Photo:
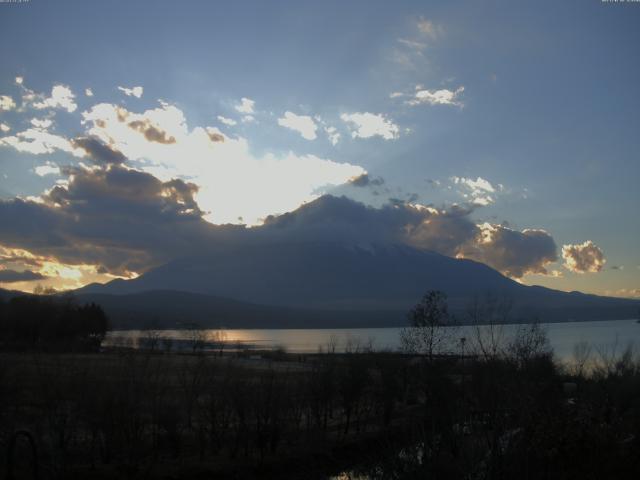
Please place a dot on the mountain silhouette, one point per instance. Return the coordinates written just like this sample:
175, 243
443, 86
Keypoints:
349, 283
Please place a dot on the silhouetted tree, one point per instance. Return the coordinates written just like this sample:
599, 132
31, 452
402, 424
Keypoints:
430, 325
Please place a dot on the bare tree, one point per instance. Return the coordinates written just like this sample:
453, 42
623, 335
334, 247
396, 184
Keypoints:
488, 318
430, 327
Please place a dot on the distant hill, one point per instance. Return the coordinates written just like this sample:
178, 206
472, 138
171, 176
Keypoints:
328, 284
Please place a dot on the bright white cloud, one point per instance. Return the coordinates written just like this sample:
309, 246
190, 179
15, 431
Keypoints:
480, 191
437, 97
4, 127
366, 125
88, 92
583, 257
43, 123
233, 182
38, 141
245, 106
7, 103
48, 168
132, 92
303, 124
333, 135
61, 97
227, 121
19, 80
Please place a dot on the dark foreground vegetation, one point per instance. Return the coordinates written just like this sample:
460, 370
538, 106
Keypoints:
51, 323
498, 408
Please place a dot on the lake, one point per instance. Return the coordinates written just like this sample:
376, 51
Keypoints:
601, 336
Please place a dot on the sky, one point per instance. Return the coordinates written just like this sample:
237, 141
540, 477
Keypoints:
504, 132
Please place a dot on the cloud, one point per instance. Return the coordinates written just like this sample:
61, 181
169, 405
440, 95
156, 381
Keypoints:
12, 276
437, 97
451, 232
583, 257
480, 191
6, 103
4, 128
215, 135
624, 293
151, 132
121, 219
132, 92
512, 252
245, 106
428, 28
230, 176
41, 123
227, 121
412, 44
366, 125
48, 168
97, 151
88, 92
61, 97
332, 134
303, 124
37, 141
365, 180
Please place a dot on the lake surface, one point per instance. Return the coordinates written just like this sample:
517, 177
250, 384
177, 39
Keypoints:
605, 336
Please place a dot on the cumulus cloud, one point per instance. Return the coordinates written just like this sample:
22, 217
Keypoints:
229, 175
121, 219
37, 141
479, 191
4, 128
151, 132
49, 168
303, 124
437, 97
332, 134
132, 92
365, 180
7, 103
366, 125
215, 135
583, 257
88, 92
12, 276
41, 123
512, 252
61, 97
98, 151
451, 232
227, 121
245, 106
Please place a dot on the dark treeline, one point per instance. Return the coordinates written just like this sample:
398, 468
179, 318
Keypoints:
50, 323
500, 408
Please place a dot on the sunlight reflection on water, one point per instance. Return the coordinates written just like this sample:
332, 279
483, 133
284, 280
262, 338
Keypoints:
562, 337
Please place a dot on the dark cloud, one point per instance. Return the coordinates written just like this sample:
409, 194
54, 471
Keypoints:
216, 137
365, 180
449, 231
151, 132
125, 220
122, 219
512, 252
11, 276
98, 151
